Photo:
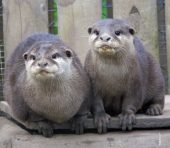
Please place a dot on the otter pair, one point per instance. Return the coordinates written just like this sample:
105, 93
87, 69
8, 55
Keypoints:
45, 81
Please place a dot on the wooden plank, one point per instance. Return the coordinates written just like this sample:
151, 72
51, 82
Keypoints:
21, 19
74, 18
143, 15
167, 18
142, 121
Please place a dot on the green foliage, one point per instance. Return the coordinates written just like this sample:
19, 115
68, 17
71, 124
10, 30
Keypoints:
104, 9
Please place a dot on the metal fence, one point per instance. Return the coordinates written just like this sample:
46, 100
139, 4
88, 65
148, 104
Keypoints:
2, 65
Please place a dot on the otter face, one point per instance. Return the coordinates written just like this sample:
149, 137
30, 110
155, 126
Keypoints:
110, 36
47, 60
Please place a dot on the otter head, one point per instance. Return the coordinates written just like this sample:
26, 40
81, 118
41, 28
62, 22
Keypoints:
111, 37
47, 60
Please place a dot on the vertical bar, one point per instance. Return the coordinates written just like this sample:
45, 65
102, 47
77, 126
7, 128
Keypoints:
167, 18
107, 9
110, 8
162, 40
1, 53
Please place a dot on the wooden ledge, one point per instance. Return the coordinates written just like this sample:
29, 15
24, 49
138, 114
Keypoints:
142, 121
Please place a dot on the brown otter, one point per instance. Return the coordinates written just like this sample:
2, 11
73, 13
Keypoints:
45, 81
125, 77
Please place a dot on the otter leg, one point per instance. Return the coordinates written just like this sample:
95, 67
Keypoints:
24, 113
19, 107
79, 119
101, 119
45, 127
127, 120
132, 101
156, 106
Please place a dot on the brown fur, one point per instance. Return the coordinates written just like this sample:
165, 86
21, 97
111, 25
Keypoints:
126, 78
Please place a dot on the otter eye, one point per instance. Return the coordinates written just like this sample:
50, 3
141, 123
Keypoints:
96, 32
117, 33
131, 31
89, 30
54, 56
25, 56
32, 57
68, 53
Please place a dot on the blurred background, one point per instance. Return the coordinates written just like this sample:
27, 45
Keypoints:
70, 19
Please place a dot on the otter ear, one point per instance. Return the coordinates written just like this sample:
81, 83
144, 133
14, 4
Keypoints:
25, 56
68, 53
131, 31
89, 30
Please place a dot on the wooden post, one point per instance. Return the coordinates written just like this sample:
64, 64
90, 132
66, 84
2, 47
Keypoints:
74, 18
143, 15
21, 18
167, 18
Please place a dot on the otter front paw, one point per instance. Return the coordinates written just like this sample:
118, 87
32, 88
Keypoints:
127, 120
101, 121
78, 124
154, 110
45, 129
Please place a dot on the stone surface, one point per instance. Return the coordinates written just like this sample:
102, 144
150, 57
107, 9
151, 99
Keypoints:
9, 130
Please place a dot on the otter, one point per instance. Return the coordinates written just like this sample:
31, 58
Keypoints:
45, 82
125, 77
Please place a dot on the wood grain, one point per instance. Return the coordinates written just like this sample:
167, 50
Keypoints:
142, 121
74, 18
21, 18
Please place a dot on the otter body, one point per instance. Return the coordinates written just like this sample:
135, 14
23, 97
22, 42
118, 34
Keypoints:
44, 80
125, 77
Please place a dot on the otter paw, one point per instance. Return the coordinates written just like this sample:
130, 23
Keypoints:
78, 124
101, 121
154, 110
127, 120
45, 129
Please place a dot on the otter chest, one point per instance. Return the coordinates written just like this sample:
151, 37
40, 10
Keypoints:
58, 106
111, 79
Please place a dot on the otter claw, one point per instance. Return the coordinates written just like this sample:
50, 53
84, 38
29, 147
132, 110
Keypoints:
127, 120
154, 110
45, 129
78, 125
101, 121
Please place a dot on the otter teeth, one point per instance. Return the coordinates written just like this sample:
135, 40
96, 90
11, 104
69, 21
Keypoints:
105, 47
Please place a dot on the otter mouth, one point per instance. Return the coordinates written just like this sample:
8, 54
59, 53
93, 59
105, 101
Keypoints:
106, 49
43, 72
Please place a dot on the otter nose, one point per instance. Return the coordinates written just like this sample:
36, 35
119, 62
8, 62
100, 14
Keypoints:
105, 37
42, 64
